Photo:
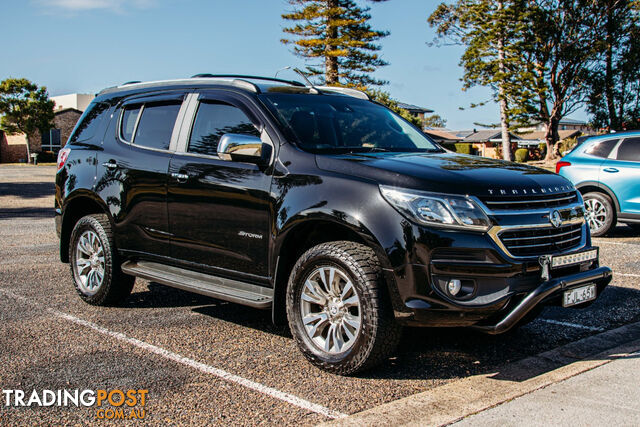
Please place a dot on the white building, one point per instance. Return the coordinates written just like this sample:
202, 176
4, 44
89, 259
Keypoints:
77, 101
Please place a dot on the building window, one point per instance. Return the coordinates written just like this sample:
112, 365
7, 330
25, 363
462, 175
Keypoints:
51, 140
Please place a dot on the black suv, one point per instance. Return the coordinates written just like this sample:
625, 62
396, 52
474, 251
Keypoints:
318, 204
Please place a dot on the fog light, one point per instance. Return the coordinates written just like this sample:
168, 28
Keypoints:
454, 286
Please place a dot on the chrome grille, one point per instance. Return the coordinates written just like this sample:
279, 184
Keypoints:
531, 201
541, 241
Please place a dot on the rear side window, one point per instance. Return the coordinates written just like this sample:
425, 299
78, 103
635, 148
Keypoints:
629, 150
129, 120
90, 122
602, 148
153, 128
213, 120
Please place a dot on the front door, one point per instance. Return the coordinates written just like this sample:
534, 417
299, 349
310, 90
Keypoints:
219, 211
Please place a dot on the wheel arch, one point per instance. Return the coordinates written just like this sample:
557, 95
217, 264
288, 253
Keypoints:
595, 186
301, 235
76, 206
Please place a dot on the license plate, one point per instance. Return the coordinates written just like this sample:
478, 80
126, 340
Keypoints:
579, 295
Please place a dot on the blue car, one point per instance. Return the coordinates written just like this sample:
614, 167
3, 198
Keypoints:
606, 170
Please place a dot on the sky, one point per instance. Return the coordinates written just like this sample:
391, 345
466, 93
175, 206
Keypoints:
86, 45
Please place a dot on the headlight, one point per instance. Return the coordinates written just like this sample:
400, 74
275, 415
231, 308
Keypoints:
437, 209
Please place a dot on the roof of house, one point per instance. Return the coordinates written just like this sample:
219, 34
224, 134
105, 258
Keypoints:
463, 133
564, 134
64, 110
568, 121
414, 108
487, 135
442, 134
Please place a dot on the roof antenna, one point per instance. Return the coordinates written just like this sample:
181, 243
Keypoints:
309, 84
281, 69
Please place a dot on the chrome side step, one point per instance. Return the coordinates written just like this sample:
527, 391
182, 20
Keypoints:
203, 284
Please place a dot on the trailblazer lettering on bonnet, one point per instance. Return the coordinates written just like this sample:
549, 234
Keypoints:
524, 191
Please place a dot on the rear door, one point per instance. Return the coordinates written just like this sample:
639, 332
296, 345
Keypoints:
134, 182
621, 173
219, 211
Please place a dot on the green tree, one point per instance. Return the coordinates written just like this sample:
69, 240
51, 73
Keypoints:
491, 33
614, 90
434, 121
25, 108
385, 99
561, 45
335, 35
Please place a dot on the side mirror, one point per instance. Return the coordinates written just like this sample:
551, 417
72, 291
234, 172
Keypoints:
243, 148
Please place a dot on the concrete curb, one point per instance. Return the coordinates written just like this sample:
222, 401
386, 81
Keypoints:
454, 401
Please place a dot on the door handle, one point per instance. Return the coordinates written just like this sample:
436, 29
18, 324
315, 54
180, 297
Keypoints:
610, 170
111, 164
180, 177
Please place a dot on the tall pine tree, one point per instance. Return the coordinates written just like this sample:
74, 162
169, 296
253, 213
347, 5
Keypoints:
336, 38
491, 33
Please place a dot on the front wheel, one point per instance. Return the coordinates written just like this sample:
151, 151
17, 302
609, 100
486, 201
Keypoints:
599, 214
337, 307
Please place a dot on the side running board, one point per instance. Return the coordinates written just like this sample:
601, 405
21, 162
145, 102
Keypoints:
203, 284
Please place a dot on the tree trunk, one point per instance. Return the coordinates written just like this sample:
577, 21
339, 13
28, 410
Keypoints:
551, 138
614, 122
26, 137
331, 75
504, 117
504, 124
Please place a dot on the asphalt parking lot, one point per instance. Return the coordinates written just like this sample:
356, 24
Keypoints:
205, 361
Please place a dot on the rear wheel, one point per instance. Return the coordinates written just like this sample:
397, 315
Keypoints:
94, 262
599, 214
337, 308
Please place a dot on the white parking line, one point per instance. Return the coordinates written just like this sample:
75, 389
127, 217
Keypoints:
608, 242
626, 274
227, 376
572, 325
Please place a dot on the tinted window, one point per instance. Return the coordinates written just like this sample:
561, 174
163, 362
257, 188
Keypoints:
90, 122
602, 148
129, 117
214, 120
156, 125
342, 124
629, 150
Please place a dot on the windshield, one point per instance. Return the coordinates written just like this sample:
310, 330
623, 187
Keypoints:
341, 124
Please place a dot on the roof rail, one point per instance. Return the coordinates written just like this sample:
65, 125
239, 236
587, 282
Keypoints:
243, 76
244, 84
131, 82
345, 91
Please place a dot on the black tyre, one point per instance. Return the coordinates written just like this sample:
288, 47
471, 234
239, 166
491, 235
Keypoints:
600, 214
94, 262
338, 309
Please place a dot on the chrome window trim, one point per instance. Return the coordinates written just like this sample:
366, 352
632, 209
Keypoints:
172, 143
195, 99
135, 126
191, 108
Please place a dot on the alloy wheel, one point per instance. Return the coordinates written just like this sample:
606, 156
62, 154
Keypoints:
330, 310
596, 214
89, 262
